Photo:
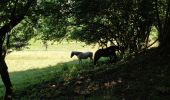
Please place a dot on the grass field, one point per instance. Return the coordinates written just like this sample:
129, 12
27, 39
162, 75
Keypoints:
38, 57
34, 65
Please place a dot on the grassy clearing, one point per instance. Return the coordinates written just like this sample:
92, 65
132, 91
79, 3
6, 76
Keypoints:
31, 66
43, 76
37, 57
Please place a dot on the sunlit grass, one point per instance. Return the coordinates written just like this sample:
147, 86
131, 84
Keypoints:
38, 57
24, 60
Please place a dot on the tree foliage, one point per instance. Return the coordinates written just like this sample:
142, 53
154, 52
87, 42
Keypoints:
126, 23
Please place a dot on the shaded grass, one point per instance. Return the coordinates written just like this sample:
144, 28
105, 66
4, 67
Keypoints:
26, 81
49, 83
23, 79
144, 77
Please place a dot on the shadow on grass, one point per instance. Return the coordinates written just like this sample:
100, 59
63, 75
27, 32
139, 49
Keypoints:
145, 77
65, 81
22, 80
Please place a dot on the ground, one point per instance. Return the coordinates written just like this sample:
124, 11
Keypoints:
144, 76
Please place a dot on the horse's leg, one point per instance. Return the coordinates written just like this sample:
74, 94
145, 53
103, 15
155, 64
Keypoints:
96, 58
110, 59
115, 57
91, 59
80, 61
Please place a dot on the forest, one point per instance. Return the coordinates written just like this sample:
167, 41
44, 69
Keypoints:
137, 67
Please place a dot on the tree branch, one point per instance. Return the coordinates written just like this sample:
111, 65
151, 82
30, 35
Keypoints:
14, 20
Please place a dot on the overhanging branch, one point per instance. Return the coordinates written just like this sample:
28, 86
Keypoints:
14, 20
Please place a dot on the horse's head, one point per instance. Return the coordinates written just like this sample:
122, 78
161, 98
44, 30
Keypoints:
72, 54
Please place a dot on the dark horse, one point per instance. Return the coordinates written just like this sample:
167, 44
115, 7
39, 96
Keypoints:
108, 52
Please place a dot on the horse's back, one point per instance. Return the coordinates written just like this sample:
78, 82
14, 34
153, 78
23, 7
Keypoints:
85, 55
90, 53
106, 52
103, 52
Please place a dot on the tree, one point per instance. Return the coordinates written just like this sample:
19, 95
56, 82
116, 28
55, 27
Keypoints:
163, 24
23, 19
126, 23
11, 14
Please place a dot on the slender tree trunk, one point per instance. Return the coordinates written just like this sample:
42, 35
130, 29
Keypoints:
4, 72
14, 20
6, 79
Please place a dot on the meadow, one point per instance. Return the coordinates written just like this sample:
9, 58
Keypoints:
34, 65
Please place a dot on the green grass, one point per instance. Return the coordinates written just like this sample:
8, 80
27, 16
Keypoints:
34, 65
38, 83
39, 74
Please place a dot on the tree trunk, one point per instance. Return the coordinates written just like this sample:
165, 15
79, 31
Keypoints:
165, 35
14, 20
6, 80
4, 72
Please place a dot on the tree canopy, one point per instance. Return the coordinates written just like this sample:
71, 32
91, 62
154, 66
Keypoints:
126, 23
